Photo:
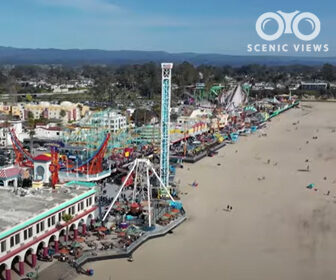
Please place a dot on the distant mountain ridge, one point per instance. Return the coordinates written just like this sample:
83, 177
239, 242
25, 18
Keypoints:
9, 55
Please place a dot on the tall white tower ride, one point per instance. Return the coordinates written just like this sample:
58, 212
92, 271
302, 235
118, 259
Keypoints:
165, 121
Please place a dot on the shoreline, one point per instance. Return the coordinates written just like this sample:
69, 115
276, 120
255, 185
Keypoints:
268, 214
265, 235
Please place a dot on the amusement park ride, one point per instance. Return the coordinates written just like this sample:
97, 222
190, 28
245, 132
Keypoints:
22, 157
142, 173
60, 163
214, 92
142, 189
165, 121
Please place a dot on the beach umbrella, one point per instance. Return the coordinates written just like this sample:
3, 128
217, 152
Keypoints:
164, 218
64, 251
80, 239
173, 213
121, 234
135, 206
31, 275
310, 186
102, 229
76, 244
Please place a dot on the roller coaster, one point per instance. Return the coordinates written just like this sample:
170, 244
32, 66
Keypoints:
91, 166
22, 157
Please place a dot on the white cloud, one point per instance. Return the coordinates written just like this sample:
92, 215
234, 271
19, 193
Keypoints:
86, 5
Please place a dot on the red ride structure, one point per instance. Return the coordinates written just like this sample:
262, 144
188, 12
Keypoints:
92, 166
54, 166
22, 157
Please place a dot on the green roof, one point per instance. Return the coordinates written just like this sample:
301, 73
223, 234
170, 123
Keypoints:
82, 184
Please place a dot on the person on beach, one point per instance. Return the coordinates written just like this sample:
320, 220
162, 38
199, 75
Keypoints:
228, 208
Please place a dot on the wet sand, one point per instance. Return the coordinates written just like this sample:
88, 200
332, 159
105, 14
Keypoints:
278, 229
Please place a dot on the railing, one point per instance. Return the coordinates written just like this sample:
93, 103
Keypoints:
86, 177
122, 253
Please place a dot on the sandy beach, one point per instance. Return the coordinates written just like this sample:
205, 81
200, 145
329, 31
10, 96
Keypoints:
278, 229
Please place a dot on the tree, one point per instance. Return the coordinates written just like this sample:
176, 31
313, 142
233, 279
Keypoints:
157, 109
327, 72
173, 117
185, 74
31, 137
67, 218
29, 98
31, 121
11, 88
142, 116
62, 113
31, 125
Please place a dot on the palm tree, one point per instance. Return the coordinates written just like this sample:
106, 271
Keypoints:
31, 126
67, 218
31, 137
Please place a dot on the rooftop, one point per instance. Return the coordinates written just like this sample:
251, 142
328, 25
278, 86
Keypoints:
9, 172
19, 211
52, 128
42, 158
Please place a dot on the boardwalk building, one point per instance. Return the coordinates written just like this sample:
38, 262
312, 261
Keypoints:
32, 224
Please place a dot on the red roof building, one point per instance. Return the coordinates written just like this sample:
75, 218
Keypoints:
42, 158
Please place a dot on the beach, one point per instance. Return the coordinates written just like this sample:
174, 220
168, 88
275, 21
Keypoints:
277, 229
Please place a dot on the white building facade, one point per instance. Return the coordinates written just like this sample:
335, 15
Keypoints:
109, 119
5, 139
23, 242
48, 132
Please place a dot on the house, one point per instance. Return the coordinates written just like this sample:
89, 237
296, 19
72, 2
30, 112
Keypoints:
48, 132
110, 119
313, 85
66, 111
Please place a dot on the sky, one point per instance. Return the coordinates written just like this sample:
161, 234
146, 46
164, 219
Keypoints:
212, 26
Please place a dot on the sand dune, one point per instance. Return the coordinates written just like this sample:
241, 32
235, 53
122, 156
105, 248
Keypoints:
277, 229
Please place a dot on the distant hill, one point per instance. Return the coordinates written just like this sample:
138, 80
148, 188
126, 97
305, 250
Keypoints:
10, 55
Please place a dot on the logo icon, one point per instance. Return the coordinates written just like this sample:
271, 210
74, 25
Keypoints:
288, 23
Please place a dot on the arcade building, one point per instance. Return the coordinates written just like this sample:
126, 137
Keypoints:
31, 223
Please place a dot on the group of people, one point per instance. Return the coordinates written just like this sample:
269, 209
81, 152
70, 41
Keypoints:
105, 200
